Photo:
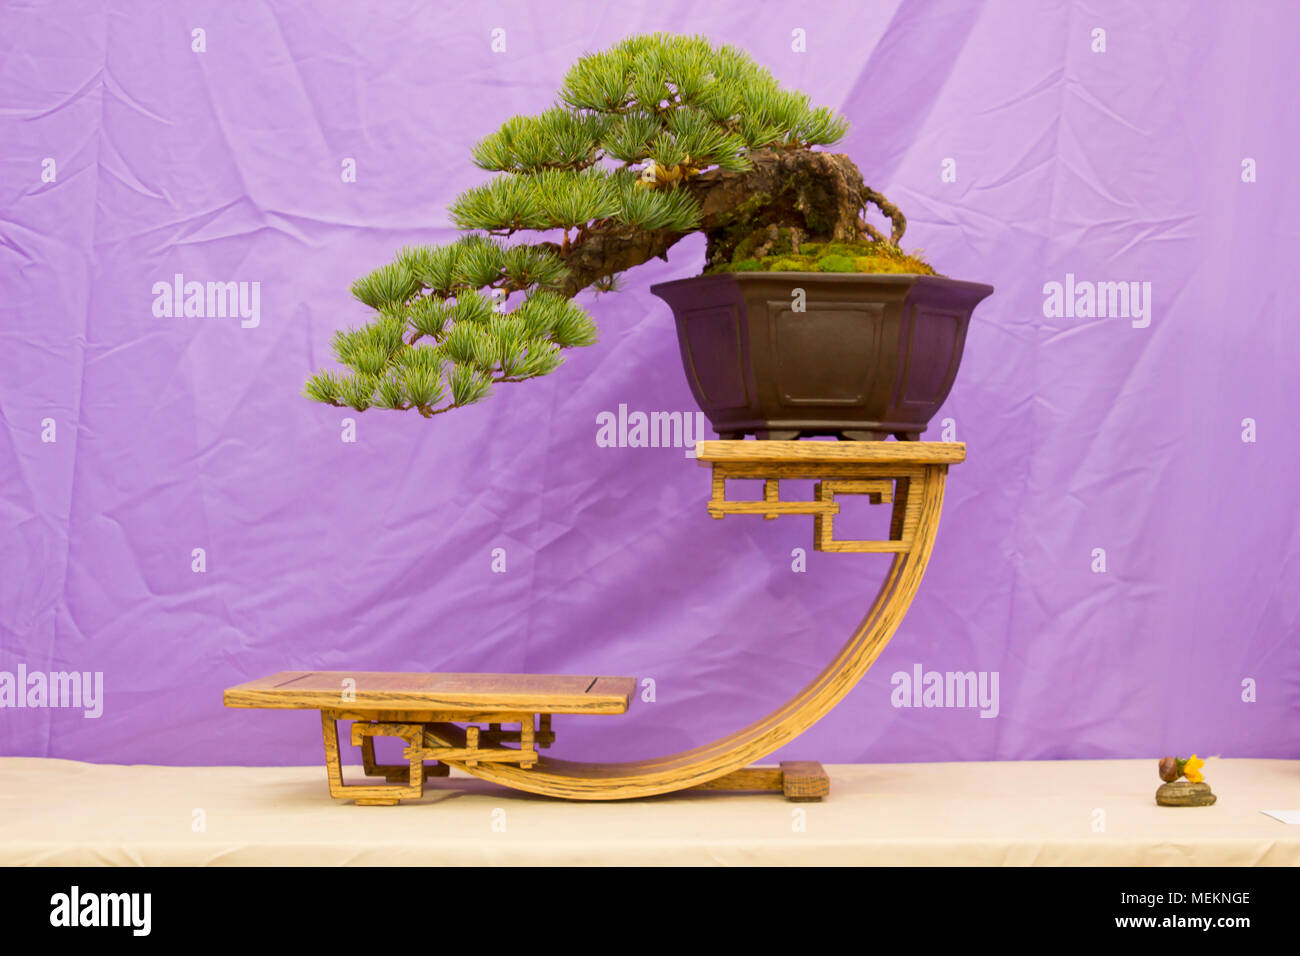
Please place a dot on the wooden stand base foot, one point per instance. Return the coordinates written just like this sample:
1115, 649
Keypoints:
802, 781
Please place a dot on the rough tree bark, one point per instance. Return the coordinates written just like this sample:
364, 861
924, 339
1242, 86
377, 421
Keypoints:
820, 196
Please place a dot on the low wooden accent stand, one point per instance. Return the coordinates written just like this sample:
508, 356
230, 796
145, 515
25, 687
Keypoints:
457, 720
424, 710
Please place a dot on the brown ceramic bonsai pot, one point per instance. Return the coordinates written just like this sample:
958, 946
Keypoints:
869, 356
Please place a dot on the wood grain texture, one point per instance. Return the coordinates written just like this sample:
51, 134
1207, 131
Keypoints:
801, 781
786, 452
376, 692
878, 491
393, 772
804, 781
880, 483
750, 778
700, 765
773, 508
428, 709
372, 795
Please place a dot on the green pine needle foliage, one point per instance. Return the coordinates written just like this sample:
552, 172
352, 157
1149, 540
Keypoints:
633, 124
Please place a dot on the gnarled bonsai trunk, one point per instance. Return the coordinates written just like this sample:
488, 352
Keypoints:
788, 196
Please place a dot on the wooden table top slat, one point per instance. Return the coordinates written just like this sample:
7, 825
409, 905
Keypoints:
385, 691
810, 452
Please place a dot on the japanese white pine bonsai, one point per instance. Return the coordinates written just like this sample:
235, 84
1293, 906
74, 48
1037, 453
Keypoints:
652, 140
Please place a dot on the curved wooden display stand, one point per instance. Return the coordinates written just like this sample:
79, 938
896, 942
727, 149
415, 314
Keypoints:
908, 476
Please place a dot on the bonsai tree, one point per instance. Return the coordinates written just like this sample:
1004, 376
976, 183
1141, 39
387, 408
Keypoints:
652, 140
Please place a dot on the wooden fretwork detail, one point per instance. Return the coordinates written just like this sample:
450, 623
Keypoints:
429, 739
883, 479
367, 794
467, 721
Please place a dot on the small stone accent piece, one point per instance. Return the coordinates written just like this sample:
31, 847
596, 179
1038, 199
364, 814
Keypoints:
1184, 793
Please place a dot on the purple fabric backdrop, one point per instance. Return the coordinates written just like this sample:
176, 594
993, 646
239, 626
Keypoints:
171, 434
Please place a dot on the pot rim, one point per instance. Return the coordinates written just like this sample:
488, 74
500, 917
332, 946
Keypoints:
837, 278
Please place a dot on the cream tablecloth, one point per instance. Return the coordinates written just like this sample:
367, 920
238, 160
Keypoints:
1051, 812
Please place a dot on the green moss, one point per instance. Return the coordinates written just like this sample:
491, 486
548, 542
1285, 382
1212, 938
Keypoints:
745, 211
837, 264
879, 264
739, 223
863, 257
820, 220
745, 248
780, 244
783, 245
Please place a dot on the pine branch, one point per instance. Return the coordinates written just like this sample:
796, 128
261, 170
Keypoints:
819, 193
704, 138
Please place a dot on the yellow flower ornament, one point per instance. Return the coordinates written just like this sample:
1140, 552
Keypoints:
1177, 792
1171, 768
